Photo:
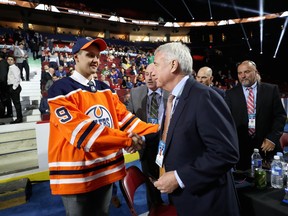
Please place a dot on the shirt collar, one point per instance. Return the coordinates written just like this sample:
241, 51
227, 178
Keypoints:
179, 87
79, 78
252, 86
158, 91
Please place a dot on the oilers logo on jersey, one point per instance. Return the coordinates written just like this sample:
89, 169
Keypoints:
100, 115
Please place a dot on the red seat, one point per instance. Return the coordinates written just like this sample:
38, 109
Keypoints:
129, 184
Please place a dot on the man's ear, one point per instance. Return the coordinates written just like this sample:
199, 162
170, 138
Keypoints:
75, 56
174, 65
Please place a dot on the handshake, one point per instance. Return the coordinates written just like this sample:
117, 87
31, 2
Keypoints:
137, 143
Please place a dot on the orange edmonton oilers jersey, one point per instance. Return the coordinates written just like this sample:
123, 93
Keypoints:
87, 133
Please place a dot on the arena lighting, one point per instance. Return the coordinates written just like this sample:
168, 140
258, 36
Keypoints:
46, 7
226, 22
174, 18
284, 14
170, 24
117, 19
237, 7
281, 37
188, 10
239, 20
210, 11
261, 3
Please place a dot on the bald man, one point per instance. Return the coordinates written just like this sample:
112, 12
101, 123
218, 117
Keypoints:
205, 77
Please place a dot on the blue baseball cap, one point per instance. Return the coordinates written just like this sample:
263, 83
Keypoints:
83, 43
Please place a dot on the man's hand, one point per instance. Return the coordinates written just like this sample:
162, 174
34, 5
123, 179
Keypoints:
267, 145
167, 183
137, 143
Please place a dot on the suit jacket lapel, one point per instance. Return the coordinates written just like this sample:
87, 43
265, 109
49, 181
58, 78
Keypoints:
143, 98
241, 100
178, 109
259, 98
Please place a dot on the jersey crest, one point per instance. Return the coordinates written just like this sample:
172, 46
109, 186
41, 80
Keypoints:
100, 115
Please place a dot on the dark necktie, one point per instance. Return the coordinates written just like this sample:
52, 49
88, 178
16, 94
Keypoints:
154, 106
250, 107
168, 113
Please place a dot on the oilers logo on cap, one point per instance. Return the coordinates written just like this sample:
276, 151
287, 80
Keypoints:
101, 115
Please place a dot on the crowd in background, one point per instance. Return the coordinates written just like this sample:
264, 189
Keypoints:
122, 66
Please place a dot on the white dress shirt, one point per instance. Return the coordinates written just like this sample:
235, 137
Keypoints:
13, 77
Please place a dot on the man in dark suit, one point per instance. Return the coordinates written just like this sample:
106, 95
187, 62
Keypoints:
140, 103
205, 77
201, 145
5, 101
269, 115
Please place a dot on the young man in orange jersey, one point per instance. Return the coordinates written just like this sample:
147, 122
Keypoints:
89, 126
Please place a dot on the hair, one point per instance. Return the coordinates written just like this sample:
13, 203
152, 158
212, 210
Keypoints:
180, 52
247, 62
11, 56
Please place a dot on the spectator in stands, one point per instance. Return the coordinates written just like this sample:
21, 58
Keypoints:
258, 113
140, 80
124, 81
47, 77
60, 72
134, 70
113, 66
54, 60
70, 60
150, 57
105, 71
62, 60
144, 60
125, 61
34, 46
21, 56
205, 77
13, 81
129, 83
5, 101
114, 76
123, 72
50, 44
17, 36
5, 52
103, 79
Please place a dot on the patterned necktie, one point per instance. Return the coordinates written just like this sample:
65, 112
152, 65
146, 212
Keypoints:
250, 107
154, 106
168, 113
167, 116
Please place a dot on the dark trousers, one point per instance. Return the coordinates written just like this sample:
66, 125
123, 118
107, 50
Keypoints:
35, 54
15, 96
89, 204
151, 169
24, 65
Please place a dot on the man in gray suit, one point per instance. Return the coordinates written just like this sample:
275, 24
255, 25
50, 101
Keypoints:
21, 57
140, 104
